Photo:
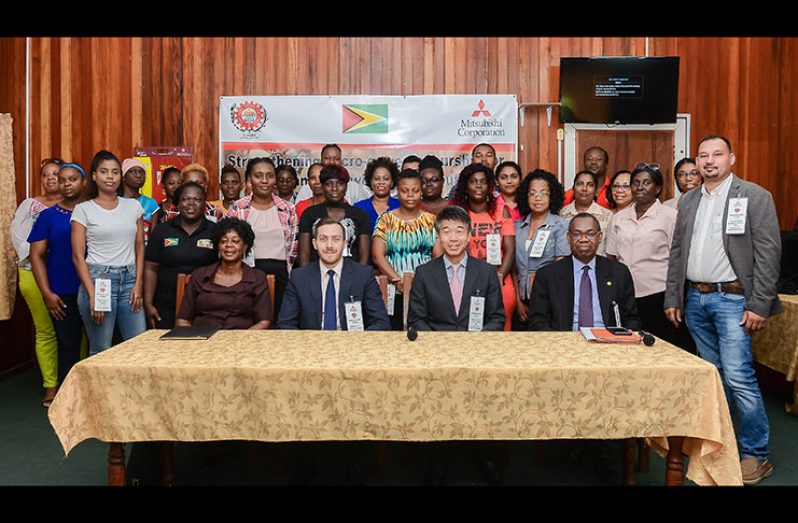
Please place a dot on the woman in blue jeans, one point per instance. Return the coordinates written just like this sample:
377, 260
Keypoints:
110, 230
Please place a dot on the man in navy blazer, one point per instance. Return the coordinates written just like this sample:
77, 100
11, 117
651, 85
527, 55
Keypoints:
308, 291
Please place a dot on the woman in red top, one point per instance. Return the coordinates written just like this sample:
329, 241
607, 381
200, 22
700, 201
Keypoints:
314, 182
491, 225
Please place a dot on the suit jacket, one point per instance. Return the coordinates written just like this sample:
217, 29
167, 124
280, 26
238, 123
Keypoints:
301, 307
551, 303
431, 304
755, 255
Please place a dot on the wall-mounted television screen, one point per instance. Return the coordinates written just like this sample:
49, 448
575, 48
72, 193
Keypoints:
619, 90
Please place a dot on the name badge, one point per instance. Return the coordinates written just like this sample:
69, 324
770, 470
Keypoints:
354, 316
541, 237
476, 313
102, 295
735, 219
494, 242
205, 244
391, 299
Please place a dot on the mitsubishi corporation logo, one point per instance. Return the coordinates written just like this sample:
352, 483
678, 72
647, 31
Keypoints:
365, 119
481, 111
248, 117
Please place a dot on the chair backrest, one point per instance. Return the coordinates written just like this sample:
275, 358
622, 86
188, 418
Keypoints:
407, 283
184, 279
270, 280
382, 283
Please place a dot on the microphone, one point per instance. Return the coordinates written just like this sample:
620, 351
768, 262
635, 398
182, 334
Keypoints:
648, 338
412, 333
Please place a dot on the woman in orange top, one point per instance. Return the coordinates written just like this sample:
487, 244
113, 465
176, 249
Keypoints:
491, 224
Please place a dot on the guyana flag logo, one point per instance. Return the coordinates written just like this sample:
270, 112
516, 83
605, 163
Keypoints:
365, 119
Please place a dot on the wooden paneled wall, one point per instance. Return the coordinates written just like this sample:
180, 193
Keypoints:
117, 93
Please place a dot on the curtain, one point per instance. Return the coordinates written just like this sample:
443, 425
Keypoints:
8, 205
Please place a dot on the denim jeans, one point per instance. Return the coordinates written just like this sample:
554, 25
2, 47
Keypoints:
130, 323
713, 320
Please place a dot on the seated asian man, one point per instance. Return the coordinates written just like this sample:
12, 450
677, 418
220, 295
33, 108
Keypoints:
446, 289
318, 294
582, 290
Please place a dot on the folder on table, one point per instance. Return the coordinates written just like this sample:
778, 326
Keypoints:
605, 336
194, 332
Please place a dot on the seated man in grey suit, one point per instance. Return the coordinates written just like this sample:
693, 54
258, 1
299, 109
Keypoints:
318, 294
583, 290
449, 288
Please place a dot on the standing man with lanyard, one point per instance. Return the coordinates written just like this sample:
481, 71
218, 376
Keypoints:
722, 274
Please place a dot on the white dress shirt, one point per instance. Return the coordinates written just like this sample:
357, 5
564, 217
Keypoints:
707, 260
337, 283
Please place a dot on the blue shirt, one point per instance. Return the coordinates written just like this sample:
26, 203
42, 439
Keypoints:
598, 318
556, 246
149, 205
450, 272
368, 206
53, 225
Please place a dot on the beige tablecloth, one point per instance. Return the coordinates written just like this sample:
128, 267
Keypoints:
308, 385
776, 347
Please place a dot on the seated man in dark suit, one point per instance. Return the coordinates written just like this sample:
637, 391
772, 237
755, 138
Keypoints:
447, 289
583, 290
444, 294
319, 301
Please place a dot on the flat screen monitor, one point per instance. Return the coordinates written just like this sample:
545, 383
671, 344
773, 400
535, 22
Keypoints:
619, 90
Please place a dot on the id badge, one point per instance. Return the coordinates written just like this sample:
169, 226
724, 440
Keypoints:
541, 237
476, 313
735, 219
354, 316
391, 299
102, 295
494, 245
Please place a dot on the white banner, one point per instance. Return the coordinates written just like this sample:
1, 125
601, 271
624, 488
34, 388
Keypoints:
293, 129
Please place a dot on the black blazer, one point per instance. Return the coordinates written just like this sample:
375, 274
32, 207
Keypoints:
551, 303
301, 307
431, 304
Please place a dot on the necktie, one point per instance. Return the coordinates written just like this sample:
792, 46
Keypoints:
457, 287
585, 300
330, 324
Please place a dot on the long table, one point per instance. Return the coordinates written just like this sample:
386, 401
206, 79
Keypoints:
274, 386
776, 347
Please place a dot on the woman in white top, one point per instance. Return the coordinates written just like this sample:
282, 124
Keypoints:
584, 201
24, 218
111, 231
687, 178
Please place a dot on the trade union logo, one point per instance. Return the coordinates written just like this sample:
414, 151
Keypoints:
365, 119
481, 111
248, 117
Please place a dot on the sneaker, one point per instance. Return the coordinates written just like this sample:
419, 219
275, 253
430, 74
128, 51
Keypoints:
755, 470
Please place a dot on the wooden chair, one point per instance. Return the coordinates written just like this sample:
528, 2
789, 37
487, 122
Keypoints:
184, 279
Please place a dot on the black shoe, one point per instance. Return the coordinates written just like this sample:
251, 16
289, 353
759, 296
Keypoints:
354, 472
302, 472
436, 472
491, 471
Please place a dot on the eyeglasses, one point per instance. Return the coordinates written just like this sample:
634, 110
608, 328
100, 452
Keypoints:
620, 186
681, 175
643, 165
430, 181
578, 235
536, 194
